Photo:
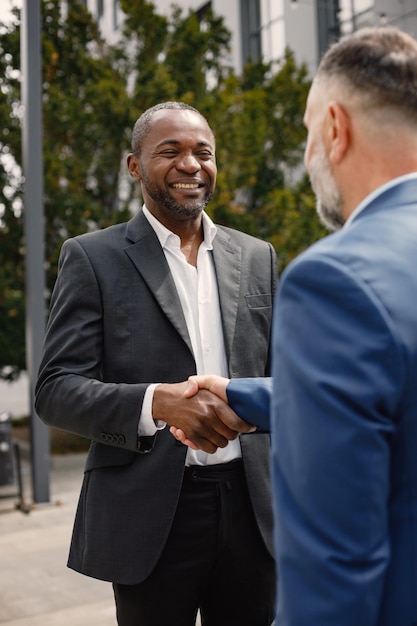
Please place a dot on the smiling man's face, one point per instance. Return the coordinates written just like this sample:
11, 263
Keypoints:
177, 165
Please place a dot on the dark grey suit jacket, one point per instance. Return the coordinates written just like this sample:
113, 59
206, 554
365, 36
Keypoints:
116, 325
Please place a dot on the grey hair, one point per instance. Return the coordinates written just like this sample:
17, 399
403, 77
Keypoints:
143, 123
379, 64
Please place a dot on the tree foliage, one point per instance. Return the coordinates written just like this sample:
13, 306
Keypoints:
92, 95
86, 114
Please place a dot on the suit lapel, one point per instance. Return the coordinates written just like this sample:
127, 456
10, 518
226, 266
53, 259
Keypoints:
148, 257
228, 264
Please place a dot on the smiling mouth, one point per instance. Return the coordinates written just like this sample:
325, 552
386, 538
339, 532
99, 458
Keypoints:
186, 185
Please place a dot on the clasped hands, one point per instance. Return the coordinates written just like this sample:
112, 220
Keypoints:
197, 412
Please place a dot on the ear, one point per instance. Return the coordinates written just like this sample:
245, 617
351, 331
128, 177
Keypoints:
338, 132
133, 166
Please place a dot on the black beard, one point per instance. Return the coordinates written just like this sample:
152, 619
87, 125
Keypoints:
162, 197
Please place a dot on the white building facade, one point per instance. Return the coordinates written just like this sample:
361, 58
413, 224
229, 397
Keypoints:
264, 28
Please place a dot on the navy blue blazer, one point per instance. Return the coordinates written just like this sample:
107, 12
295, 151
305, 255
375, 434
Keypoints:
251, 398
344, 422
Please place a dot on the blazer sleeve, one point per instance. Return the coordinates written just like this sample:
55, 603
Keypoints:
338, 372
250, 398
70, 391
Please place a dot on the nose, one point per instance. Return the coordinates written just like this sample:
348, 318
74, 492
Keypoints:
188, 163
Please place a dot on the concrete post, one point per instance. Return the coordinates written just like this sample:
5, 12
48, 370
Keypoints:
34, 232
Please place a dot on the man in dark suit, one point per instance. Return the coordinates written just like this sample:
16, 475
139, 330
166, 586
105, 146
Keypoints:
137, 306
344, 395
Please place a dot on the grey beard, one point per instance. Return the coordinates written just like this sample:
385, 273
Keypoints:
330, 218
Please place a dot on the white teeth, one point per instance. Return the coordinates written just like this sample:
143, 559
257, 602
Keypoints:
185, 185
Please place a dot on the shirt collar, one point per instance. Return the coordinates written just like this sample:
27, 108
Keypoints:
380, 190
164, 234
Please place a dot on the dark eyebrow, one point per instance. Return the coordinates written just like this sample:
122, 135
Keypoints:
174, 142
167, 141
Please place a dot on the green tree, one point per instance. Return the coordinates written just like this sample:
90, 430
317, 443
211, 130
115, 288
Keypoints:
179, 57
257, 118
92, 95
12, 310
86, 114
262, 187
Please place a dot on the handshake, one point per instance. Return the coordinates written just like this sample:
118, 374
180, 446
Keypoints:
198, 413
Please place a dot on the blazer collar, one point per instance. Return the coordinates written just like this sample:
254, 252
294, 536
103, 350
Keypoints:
147, 256
228, 264
145, 252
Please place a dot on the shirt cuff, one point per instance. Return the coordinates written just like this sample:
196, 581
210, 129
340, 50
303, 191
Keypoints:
147, 425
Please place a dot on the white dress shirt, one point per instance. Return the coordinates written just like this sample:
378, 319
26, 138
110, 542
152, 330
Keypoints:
198, 293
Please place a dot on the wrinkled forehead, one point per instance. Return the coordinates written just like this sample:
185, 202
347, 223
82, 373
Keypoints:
179, 125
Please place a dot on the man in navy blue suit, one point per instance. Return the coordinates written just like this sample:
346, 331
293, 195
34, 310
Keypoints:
343, 403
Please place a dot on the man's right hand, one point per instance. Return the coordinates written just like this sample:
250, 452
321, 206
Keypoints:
206, 421
211, 382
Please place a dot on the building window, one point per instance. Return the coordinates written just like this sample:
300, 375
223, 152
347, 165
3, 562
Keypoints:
251, 30
202, 11
328, 20
356, 14
115, 14
100, 9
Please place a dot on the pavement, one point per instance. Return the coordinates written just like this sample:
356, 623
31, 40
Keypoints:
36, 587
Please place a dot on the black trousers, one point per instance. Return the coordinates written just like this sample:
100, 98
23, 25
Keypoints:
214, 560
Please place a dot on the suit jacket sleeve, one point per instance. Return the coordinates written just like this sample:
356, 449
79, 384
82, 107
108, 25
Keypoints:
70, 392
250, 398
338, 372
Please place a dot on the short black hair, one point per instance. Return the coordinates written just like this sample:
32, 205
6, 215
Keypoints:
143, 123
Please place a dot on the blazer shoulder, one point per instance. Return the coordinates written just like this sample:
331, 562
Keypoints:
94, 242
238, 237
130, 232
102, 235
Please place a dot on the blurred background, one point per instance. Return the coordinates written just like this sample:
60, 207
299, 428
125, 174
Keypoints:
245, 64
